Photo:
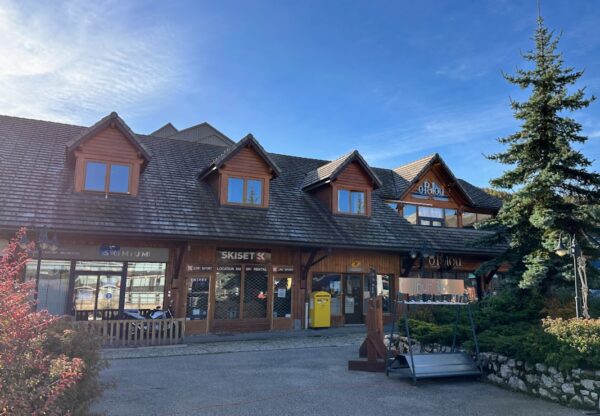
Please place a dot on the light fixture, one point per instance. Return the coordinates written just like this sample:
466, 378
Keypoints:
54, 243
560, 249
43, 240
413, 253
24, 242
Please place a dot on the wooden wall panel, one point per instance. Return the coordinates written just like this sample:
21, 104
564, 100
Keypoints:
354, 175
112, 144
248, 162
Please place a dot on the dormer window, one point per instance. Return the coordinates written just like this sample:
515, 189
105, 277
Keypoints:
245, 191
351, 202
107, 177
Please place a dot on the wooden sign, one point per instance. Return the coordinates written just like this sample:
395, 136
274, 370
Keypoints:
420, 286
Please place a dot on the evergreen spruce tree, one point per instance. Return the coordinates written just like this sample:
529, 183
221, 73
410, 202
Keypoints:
552, 186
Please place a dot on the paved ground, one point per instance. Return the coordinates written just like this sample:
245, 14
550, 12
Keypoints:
278, 377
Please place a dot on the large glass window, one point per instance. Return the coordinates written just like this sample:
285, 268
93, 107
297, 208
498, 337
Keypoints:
145, 286
235, 190
245, 191
330, 283
450, 218
256, 280
197, 298
431, 216
119, 178
282, 296
470, 219
254, 191
95, 176
410, 213
351, 202
383, 288
53, 285
227, 293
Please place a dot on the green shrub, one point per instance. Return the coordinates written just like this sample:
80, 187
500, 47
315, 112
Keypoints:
63, 339
512, 324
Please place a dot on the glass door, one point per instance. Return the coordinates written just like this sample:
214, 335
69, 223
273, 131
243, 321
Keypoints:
353, 299
96, 296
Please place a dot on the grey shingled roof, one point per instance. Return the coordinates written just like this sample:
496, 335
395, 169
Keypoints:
165, 131
331, 170
203, 133
173, 204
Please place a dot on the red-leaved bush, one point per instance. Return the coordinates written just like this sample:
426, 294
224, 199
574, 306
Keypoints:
33, 378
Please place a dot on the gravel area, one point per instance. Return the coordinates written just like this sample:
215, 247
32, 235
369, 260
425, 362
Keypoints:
289, 377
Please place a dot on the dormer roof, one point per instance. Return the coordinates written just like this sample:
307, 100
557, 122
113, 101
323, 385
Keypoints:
330, 171
414, 171
111, 120
247, 141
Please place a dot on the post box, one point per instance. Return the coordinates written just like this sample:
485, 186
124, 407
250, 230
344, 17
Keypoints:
320, 310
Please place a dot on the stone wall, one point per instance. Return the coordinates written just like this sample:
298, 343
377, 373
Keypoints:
577, 388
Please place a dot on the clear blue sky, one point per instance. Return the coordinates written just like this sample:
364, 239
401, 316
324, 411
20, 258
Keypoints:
396, 80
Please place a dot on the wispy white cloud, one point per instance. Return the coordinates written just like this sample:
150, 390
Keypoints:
429, 134
77, 60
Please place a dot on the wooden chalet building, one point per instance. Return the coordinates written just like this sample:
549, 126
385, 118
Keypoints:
234, 236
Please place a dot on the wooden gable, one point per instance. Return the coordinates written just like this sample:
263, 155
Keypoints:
437, 187
248, 162
354, 175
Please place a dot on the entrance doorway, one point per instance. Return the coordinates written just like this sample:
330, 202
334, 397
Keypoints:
96, 295
353, 299
242, 298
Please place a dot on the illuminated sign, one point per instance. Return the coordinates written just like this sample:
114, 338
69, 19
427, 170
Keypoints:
441, 260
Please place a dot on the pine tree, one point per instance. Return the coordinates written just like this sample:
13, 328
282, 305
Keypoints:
551, 185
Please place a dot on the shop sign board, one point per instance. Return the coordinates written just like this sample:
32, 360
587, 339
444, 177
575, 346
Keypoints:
108, 252
243, 256
421, 286
430, 189
283, 269
442, 260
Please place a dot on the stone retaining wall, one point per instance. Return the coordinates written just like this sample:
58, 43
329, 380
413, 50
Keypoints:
577, 388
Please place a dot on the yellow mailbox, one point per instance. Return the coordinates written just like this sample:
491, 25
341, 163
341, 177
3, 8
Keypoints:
320, 310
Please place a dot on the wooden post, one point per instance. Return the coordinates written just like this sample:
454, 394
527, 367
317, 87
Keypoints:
372, 347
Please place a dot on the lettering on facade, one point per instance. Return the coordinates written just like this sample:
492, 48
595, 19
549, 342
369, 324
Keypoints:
249, 256
430, 189
441, 260
283, 269
198, 268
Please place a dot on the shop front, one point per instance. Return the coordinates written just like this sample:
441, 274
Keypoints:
98, 282
239, 290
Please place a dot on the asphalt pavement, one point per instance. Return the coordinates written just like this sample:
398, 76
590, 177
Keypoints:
298, 381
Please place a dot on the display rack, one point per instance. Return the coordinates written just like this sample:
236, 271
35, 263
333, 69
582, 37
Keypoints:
432, 365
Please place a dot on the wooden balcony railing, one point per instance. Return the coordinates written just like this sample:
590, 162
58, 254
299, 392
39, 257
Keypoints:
136, 333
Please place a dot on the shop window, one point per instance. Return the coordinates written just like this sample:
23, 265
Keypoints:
227, 294
107, 177
330, 283
255, 292
471, 219
53, 284
197, 298
351, 202
102, 266
383, 289
430, 216
282, 297
450, 218
245, 191
410, 213
145, 285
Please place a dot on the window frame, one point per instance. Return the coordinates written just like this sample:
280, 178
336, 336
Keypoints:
108, 165
336, 203
245, 178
